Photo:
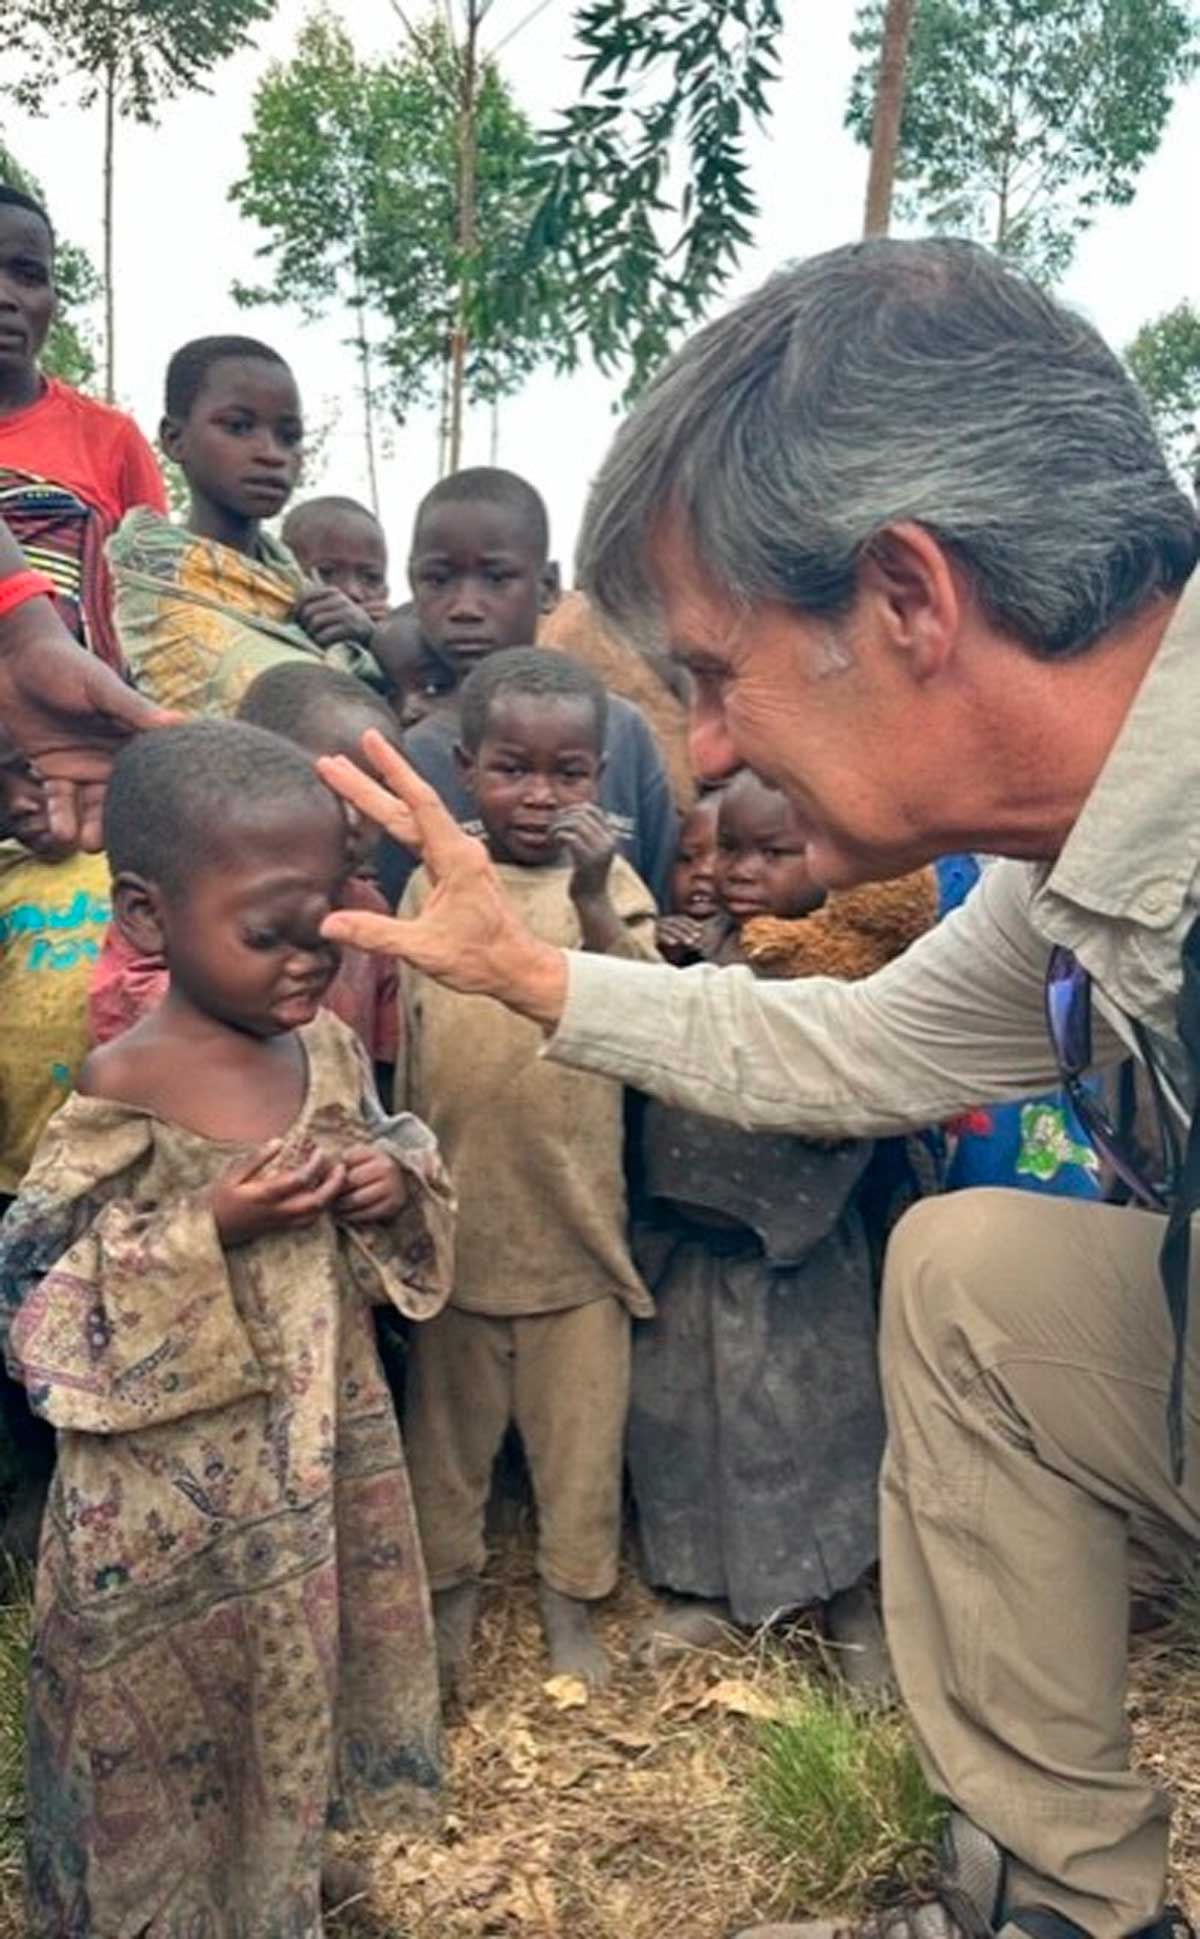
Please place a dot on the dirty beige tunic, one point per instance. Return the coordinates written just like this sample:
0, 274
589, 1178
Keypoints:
233, 1638
536, 1152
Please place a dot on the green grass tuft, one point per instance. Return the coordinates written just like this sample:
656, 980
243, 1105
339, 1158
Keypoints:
838, 1791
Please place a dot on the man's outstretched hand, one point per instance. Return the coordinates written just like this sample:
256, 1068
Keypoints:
68, 714
467, 935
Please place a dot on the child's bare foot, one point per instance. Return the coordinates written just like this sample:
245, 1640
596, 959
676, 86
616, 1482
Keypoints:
680, 1624
343, 1881
571, 1640
455, 1614
855, 1629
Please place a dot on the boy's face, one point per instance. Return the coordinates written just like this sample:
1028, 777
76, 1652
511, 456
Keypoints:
27, 295
762, 867
538, 755
243, 941
693, 879
347, 550
478, 585
241, 443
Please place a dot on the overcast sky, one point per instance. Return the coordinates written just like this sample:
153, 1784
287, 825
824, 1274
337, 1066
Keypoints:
180, 244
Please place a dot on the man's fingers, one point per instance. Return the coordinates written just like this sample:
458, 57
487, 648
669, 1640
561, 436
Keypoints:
440, 840
358, 928
369, 798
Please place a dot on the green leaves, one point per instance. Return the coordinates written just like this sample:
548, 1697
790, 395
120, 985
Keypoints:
154, 48
1023, 118
643, 194
352, 173
1165, 358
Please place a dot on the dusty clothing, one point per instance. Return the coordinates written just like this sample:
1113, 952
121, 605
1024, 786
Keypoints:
232, 1625
572, 627
53, 916
536, 1153
543, 1279
198, 622
756, 1426
634, 794
563, 1379
1027, 1354
124, 986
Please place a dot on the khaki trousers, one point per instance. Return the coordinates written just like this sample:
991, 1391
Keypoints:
1026, 1357
563, 1378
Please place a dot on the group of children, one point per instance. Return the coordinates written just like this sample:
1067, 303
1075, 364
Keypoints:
262, 1561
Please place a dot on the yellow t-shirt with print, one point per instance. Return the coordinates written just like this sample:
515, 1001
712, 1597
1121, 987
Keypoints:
53, 916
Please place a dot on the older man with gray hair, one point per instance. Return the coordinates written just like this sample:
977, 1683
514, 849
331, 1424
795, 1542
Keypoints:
905, 519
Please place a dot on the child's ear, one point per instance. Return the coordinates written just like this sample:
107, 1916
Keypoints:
137, 913
169, 433
549, 586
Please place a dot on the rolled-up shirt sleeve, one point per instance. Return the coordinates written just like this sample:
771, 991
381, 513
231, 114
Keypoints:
957, 1021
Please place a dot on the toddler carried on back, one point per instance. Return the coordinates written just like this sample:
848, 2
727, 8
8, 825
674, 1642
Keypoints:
203, 607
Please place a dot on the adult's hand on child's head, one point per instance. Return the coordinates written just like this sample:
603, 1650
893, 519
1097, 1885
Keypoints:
467, 935
586, 835
329, 616
250, 1199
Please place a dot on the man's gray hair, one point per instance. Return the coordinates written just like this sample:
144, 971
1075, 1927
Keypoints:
885, 381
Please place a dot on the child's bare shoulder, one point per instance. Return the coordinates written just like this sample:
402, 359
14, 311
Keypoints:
123, 1071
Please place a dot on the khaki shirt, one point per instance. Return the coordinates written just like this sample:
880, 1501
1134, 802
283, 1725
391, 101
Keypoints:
959, 1020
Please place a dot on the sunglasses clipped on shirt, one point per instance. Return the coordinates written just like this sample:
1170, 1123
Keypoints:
1172, 1186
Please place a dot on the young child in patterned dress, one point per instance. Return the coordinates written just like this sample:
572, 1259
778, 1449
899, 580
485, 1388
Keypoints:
233, 1644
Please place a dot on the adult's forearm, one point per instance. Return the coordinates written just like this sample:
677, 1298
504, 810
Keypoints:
955, 1022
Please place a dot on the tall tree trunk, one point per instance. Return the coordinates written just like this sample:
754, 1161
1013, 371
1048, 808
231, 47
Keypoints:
444, 407
367, 380
494, 440
110, 322
889, 107
468, 73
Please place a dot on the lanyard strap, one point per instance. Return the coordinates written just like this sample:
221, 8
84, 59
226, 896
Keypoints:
1174, 1259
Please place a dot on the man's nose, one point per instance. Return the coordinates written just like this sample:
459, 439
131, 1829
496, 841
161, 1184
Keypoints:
714, 757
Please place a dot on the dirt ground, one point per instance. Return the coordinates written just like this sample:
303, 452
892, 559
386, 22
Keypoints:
628, 1818
624, 1818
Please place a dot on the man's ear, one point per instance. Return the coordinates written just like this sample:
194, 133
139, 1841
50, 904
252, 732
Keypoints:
549, 586
170, 431
137, 913
918, 595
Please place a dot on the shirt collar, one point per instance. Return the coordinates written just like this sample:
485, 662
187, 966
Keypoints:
1134, 850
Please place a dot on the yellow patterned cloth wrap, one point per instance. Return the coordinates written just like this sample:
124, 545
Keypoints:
198, 622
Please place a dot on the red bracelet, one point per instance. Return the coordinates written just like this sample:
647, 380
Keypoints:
20, 586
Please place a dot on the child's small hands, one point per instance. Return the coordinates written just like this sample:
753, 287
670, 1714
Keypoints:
679, 939
585, 834
328, 616
250, 1199
374, 1186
